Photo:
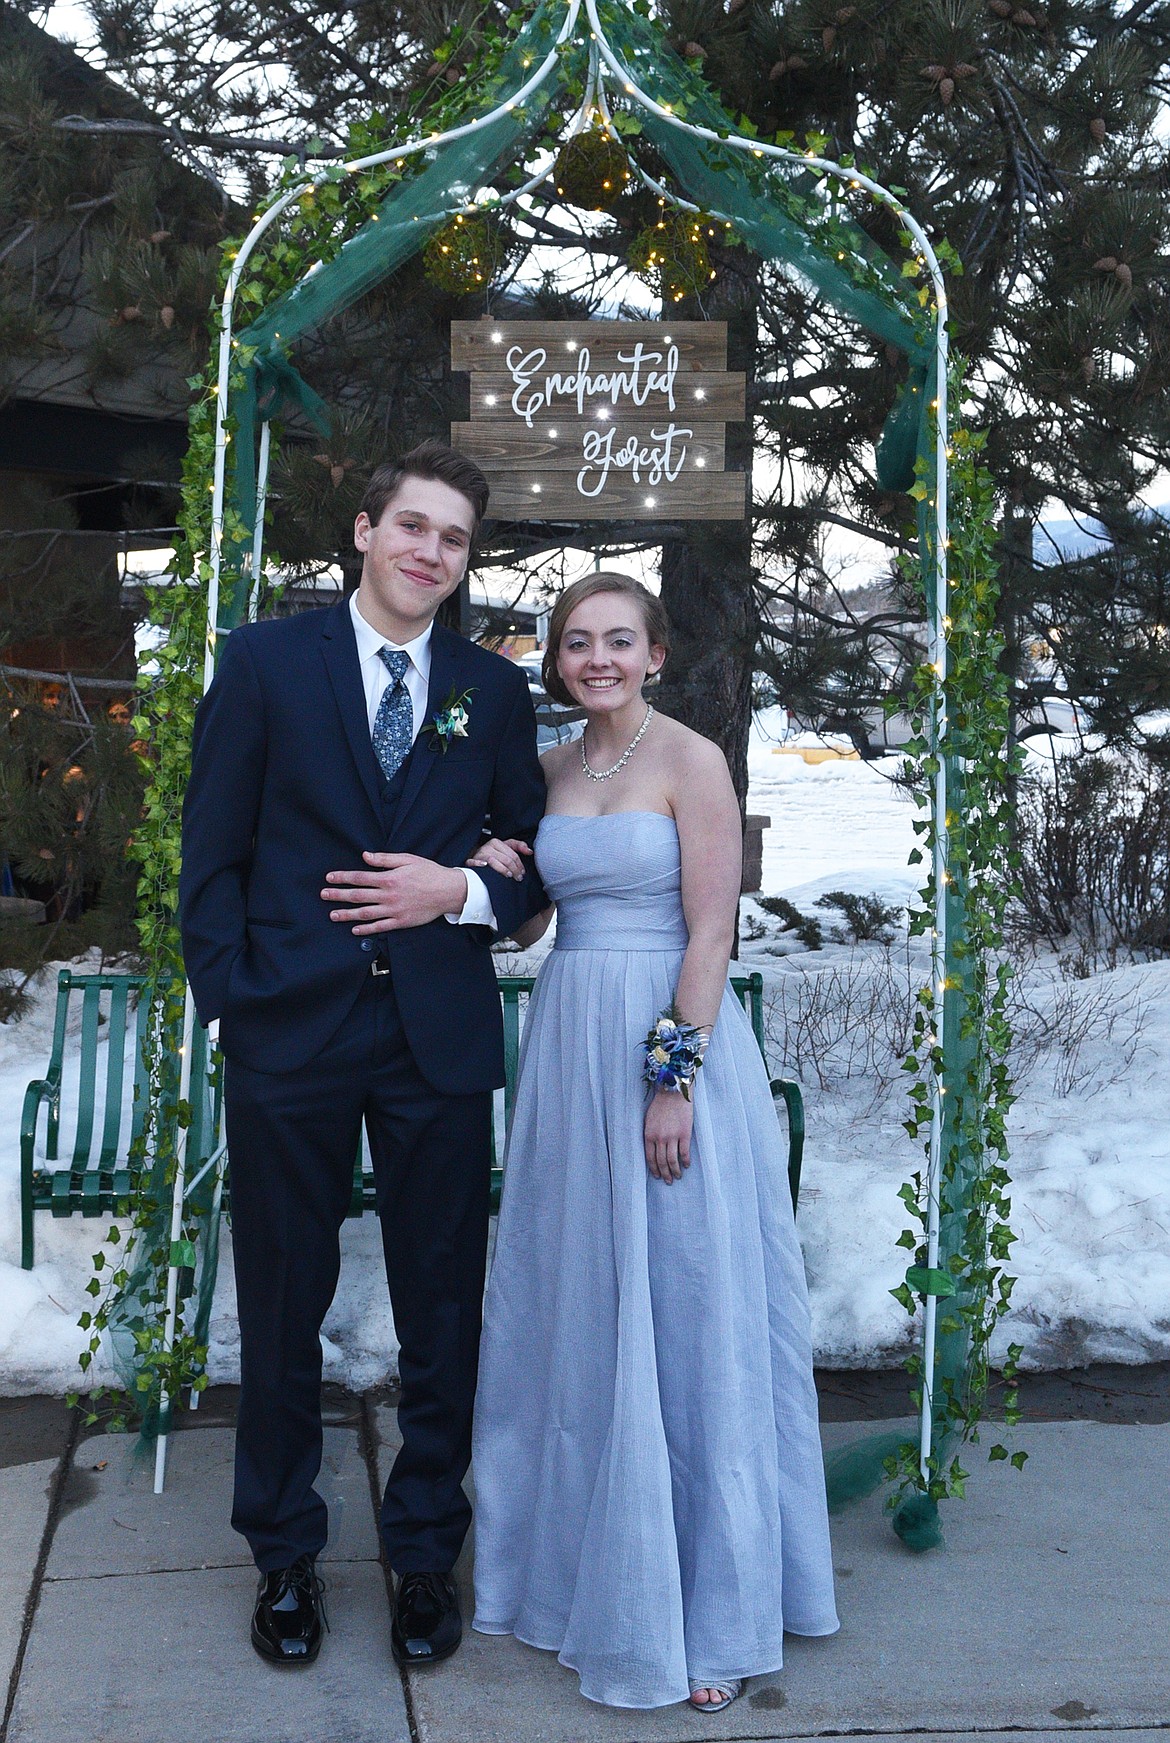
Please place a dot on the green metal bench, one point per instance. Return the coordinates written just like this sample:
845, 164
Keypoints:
102, 1121
97, 1181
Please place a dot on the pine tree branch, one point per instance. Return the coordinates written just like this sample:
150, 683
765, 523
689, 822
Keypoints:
70, 678
798, 512
298, 21
21, 236
195, 136
1115, 26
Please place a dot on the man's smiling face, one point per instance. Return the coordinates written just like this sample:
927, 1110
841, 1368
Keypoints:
415, 557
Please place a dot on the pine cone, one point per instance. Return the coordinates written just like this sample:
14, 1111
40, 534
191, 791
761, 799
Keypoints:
159, 235
1098, 129
934, 72
1107, 263
433, 70
694, 51
845, 13
828, 37
1124, 274
1088, 369
167, 316
946, 89
130, 313
1001, 8
1023, 16
964, 70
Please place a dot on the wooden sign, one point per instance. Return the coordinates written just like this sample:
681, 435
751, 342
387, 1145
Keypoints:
601, 420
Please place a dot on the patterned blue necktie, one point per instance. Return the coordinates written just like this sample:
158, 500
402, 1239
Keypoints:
394, 722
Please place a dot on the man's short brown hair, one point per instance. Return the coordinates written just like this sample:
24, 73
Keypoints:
433, 460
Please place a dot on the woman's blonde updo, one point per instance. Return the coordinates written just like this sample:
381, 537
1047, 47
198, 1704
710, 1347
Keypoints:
653, 612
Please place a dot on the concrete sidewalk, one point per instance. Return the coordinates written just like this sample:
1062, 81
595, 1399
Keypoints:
123, 1616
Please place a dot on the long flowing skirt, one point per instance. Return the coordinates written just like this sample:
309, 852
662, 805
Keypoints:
650, 1499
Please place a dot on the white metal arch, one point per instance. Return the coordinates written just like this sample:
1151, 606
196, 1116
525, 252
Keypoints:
605, 61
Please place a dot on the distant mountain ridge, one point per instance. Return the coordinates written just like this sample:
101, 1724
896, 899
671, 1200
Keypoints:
1063, 541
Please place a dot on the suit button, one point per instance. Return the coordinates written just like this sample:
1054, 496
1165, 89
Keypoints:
367, 944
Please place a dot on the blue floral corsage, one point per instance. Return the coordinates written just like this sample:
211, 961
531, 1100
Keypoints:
673, 1053
452, 719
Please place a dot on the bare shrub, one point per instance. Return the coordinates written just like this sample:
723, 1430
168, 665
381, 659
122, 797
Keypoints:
1094, 843
1075, 1035
853, 1019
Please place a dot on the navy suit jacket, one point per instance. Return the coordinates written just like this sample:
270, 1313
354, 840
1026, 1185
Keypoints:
285, 787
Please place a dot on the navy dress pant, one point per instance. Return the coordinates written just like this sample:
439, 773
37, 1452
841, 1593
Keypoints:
292, 1141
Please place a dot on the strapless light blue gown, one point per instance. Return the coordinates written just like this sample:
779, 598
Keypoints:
650, 1497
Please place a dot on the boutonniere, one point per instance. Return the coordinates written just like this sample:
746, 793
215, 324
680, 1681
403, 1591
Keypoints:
452, 719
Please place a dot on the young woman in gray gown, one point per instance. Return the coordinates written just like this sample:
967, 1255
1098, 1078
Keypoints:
650, 1499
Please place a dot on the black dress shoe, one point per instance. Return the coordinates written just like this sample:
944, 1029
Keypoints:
426, 1625
286, 1623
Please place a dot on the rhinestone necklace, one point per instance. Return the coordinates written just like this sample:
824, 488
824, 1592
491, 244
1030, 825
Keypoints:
604, 774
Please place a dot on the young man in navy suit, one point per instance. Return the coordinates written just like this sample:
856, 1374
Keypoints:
333, 933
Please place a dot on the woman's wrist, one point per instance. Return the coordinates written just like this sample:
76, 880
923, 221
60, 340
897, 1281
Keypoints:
673, 1054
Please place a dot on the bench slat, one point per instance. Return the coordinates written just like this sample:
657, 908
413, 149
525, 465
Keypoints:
510, 991
115, 1068
91, 1192
141, 1075
87, 1073
56, 1062
62, 1200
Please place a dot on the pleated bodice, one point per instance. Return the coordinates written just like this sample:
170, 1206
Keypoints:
616, 881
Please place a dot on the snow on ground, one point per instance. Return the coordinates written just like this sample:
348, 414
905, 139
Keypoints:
1091, 1145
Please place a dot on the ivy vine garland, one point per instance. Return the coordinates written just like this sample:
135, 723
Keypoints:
976, 1289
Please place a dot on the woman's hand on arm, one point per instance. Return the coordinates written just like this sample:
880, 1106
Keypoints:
507, 858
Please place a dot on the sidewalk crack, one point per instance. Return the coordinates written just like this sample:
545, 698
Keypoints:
56, 1492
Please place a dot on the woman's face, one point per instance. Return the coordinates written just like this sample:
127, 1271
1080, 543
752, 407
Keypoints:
605, 655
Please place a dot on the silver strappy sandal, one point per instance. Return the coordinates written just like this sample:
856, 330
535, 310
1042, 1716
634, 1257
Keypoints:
728, 1691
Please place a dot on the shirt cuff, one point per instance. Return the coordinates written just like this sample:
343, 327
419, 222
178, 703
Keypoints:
213, 1031
477, 909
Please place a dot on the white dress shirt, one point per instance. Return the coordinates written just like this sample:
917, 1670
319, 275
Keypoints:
477, 909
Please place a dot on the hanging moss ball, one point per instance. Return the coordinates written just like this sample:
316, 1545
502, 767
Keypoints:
671, 256
592, 170
466, 254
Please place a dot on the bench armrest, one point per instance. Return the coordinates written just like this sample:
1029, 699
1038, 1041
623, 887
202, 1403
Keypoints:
40, 1091
783, 1088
